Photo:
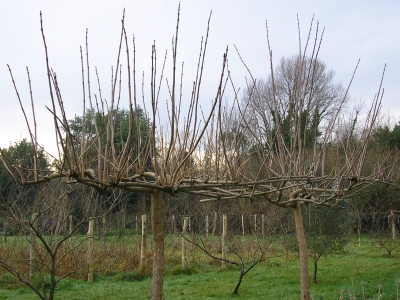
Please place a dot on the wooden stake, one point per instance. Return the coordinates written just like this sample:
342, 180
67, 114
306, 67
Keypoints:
103, 219
359, 230
136, 224
207, 226
32, 247
243, 227
255, 224
263, 225
224, 231
70, 230
393, 222
185, 225
142, 266
215, 223
174, 225
90, 250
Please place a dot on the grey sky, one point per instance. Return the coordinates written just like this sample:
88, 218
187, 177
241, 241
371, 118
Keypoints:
369, 30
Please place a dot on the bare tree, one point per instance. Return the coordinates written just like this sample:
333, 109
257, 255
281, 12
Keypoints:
242, 252
47, 249
169, 150
320, 94
191, 152
302, 162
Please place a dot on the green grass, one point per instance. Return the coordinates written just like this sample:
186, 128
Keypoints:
276, 278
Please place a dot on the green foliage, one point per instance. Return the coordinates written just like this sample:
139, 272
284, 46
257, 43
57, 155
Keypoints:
109, 132
41, 281
327, 228
8, 281
309, 128
120, 123
327, 231
22, 155
384, 135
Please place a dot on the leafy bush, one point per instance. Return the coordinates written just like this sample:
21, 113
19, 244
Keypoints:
8, 281
41, 281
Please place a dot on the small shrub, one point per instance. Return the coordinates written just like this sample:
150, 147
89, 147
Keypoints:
41, 281
203, 266
8, 281
178, 270
130, 276
111, 273
66, 284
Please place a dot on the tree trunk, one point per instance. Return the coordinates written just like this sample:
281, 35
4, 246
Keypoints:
158, 245
235, 291
314, 279
53, 281
301, 238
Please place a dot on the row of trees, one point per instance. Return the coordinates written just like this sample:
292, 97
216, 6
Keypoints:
327, 229
287, 142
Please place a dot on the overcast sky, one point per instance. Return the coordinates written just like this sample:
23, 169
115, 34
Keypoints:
369, 30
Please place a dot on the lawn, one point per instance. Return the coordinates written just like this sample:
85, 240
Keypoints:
365, 267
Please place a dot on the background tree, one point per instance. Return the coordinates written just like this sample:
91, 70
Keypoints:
23, 155
93, 119
299, 82
386, 136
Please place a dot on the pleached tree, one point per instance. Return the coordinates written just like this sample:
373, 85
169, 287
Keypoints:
297, 121
221, 154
